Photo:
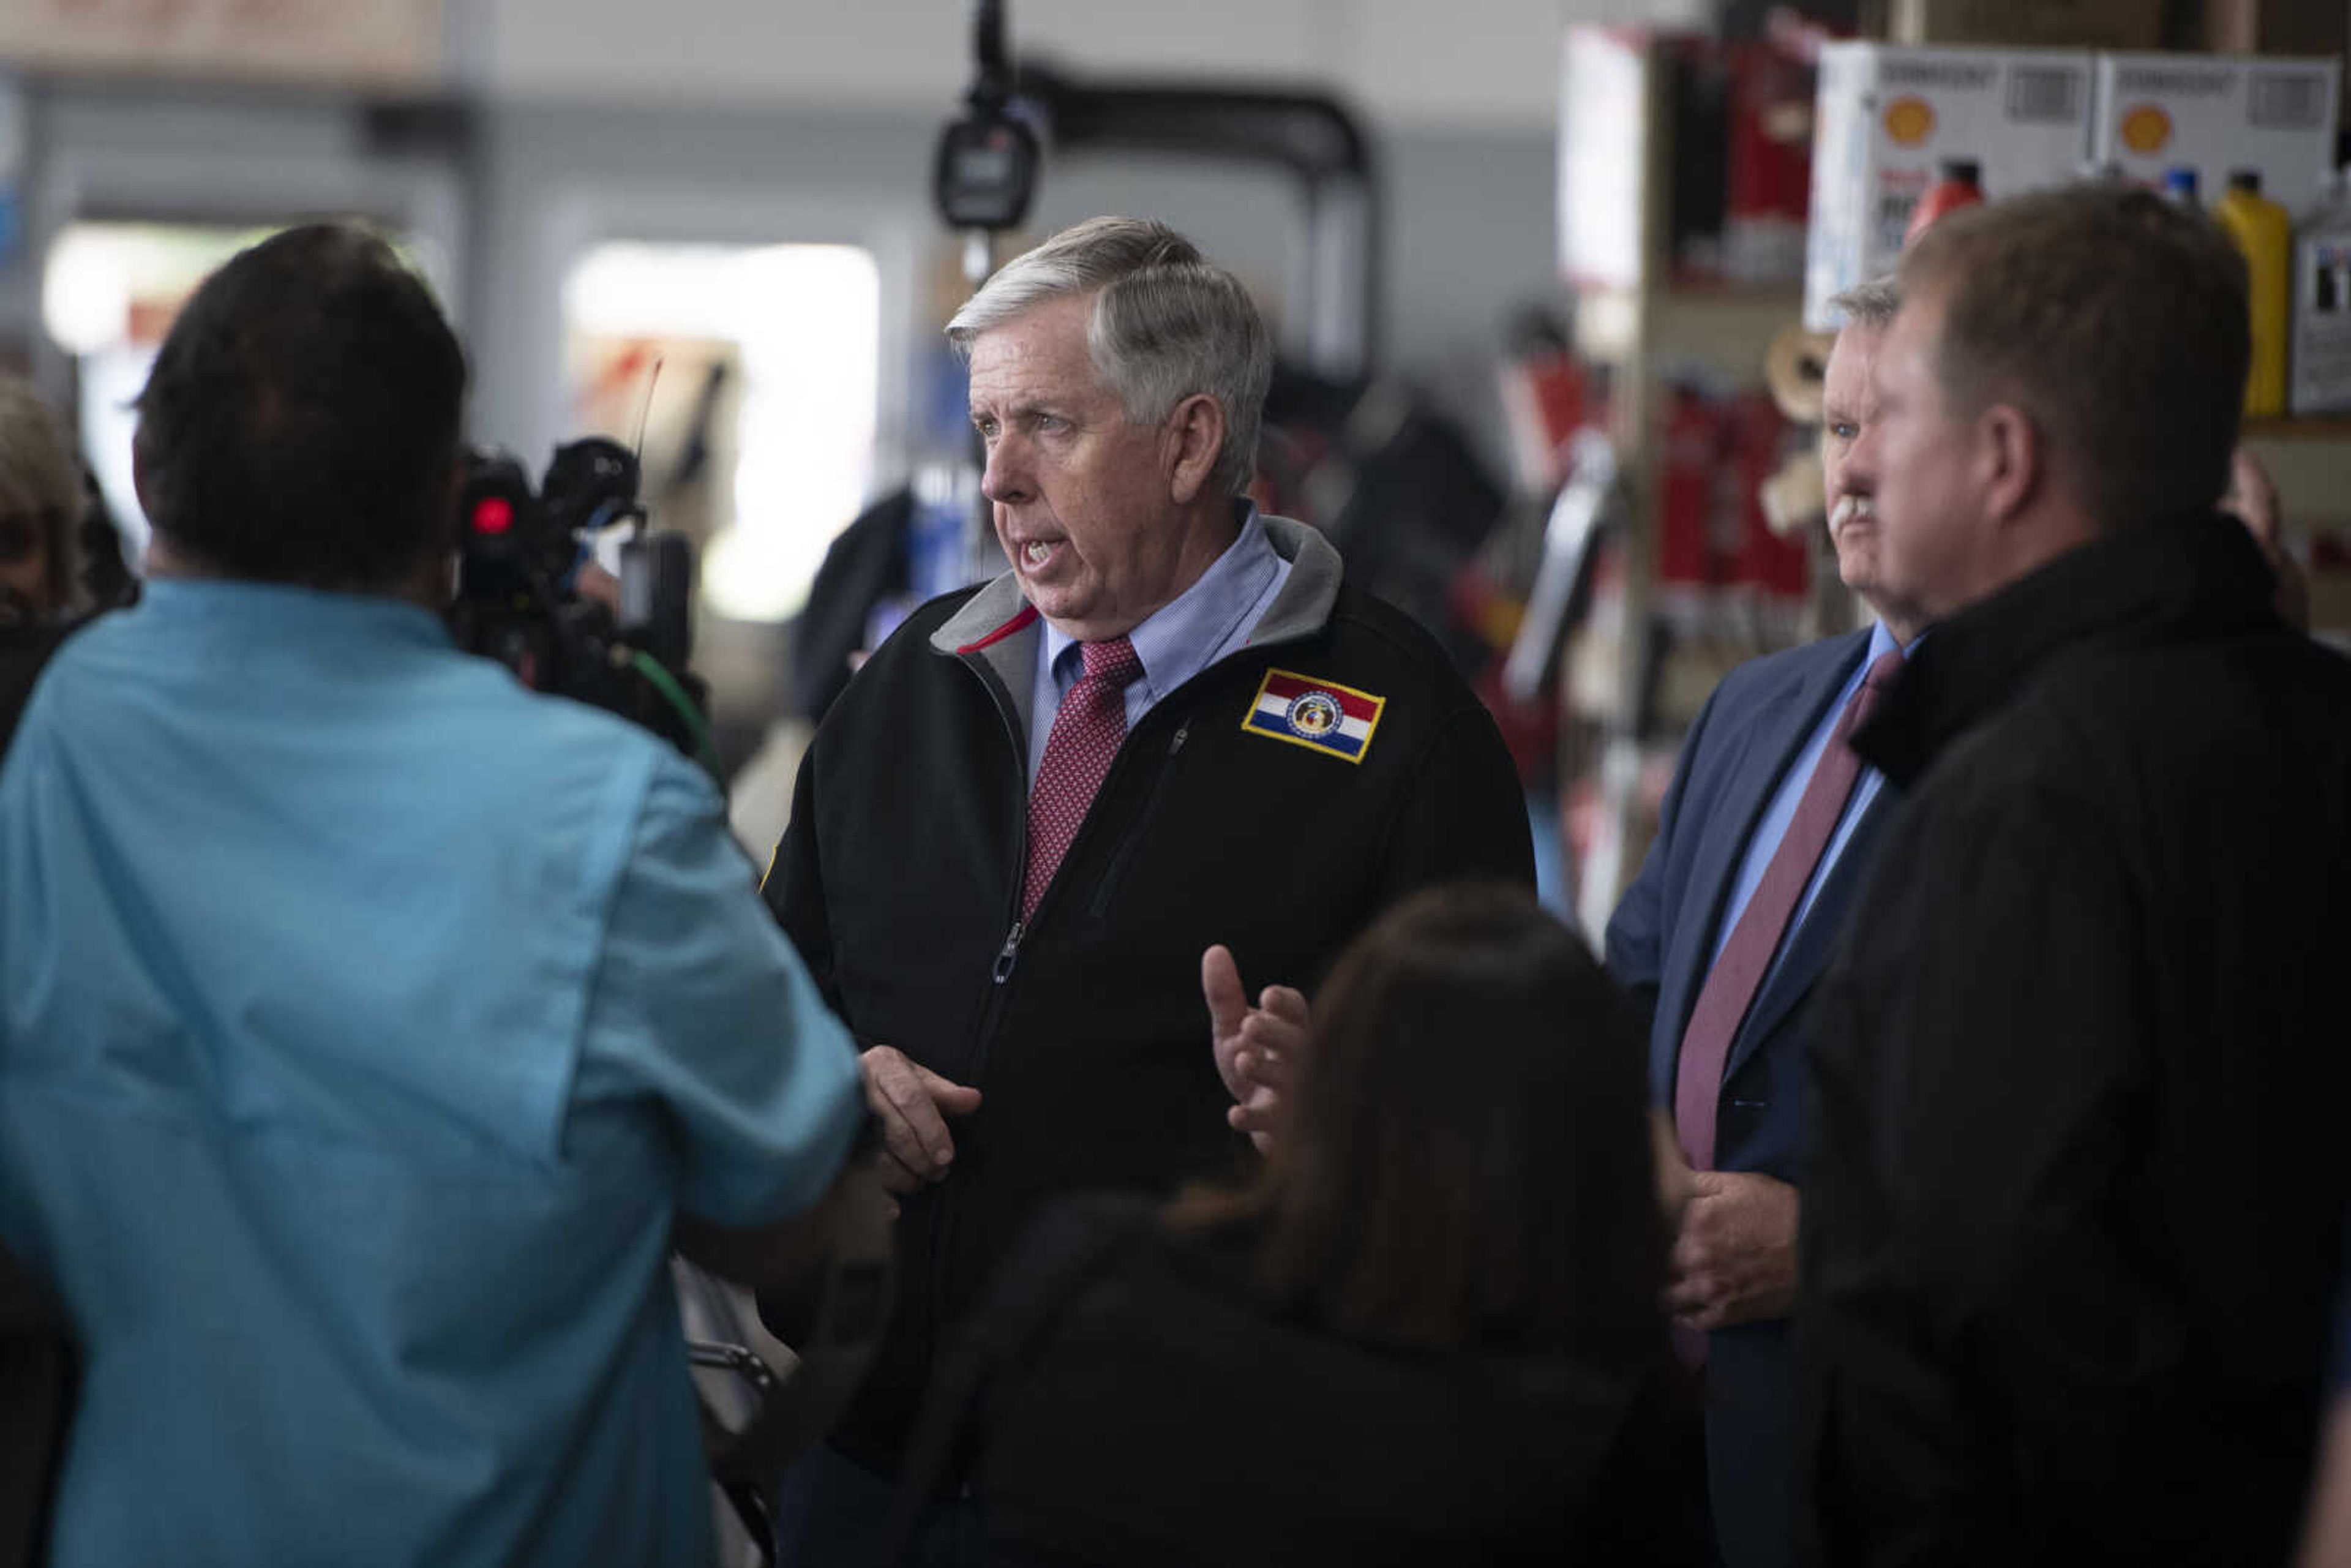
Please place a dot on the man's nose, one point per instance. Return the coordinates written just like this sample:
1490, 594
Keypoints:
1006, 480
1859, 475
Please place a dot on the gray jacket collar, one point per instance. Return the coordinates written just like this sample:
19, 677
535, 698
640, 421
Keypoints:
998, 627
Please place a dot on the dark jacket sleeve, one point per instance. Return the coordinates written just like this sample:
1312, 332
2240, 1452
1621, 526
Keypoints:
1977, 1336
794, 889
1466, 818
1635, 946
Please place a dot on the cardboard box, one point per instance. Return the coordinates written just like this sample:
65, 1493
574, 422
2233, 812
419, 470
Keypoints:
1886, 119
2041, 24
2319, 362
1603, 155
2216, 113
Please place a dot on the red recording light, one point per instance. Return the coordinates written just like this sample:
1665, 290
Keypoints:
493, 515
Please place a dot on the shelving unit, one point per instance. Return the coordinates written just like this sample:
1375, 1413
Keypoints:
2324, 429
1639, 324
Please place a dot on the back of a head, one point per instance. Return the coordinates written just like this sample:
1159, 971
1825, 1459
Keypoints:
1466, 1159
1168, 324
2115, 319
300, 424
40, 490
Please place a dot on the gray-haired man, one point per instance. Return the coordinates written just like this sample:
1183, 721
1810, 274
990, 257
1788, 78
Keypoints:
1170, 747
1766, 835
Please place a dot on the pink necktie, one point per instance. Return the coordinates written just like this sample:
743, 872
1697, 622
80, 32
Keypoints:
1739, 970
1086, 734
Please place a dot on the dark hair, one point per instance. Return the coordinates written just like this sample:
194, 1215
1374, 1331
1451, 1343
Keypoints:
2114, 319
300, 424
1466, 1161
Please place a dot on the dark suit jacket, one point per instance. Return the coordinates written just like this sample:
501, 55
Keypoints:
1660, 945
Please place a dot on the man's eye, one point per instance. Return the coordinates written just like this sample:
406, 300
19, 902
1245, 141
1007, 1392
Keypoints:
1844, 432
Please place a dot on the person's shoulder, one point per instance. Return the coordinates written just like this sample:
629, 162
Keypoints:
1756, 686
504, 746
486, 693
907, 651
1369, 636
1794, 667
2117, 720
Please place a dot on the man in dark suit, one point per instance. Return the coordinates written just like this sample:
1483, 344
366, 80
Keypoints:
1765, 836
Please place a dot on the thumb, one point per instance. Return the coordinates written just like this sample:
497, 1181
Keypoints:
1220, 983
953, 1099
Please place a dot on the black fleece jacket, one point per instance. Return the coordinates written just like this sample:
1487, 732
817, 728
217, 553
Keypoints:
1086, 1032
2074, 1207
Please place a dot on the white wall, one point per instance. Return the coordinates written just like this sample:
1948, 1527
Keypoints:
1484, 65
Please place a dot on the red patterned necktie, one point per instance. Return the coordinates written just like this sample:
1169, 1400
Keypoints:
1738, 969
1086, 734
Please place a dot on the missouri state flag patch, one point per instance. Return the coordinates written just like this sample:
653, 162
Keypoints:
1321, 716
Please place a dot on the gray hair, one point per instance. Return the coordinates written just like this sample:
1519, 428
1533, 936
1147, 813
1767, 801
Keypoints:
1870, 304
39, 474
1166, 324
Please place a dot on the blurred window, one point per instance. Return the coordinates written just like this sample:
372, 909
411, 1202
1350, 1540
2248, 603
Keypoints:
759, 434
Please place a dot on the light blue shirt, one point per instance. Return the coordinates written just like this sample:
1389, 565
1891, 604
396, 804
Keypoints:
1207, 620
365, 1023
1781, 812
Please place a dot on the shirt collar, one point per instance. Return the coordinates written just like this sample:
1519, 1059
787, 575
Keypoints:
1881, 642
244, 607
1176, 641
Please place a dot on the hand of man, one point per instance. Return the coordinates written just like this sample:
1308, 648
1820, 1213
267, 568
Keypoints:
1255, 1047
914, 1104
1734, 1260
2253, 498
1677, 1183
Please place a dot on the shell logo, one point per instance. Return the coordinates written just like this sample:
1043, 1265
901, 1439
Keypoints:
2146, 129
1909, 120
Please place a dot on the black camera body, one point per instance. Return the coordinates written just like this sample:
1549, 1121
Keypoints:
984, 173
623, 647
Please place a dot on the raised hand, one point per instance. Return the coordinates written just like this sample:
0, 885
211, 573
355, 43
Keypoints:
1256, 1047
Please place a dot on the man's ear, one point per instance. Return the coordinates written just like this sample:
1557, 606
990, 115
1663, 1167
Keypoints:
1197, 433
2015, 460
142, 473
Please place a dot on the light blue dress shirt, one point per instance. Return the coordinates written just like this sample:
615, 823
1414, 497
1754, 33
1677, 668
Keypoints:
1781, 812
365, 1023
1207, 620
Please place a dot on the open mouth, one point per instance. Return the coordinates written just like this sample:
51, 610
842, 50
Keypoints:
1037, 555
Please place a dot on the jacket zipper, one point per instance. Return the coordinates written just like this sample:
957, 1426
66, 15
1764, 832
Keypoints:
1008, 959
999, 972
1008, 955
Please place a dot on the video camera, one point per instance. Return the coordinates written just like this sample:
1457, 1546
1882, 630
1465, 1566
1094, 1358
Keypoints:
984, 173
521, 599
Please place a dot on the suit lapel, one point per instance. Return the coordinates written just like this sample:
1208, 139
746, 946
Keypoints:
1773, 740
